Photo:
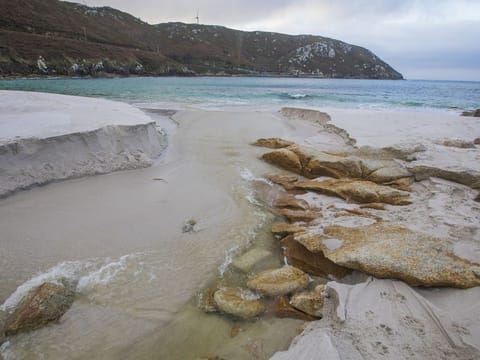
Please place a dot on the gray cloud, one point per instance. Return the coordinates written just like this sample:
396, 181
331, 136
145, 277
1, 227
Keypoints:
415, 36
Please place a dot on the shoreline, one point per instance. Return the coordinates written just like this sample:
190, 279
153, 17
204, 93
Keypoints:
197, 177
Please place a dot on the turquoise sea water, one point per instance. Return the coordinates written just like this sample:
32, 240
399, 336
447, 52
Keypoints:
261, 92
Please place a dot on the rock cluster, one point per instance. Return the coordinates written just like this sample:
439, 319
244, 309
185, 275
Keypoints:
380, 248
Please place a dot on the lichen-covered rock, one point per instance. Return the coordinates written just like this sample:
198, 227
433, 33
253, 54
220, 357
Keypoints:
238, 302
284, 229
278, 281
44, 304
312, 263
310, 302
389, 250
272, 143
248, 260
357, 190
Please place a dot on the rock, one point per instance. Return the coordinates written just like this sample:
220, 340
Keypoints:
310, 302
285, 200
273, 143
469, 178
475, 113
476, 141
248, 260
458, 143
284, 158
300, 215
315, 264
205, 300
389, 250
357, 190
238, 302
278, 281
284, 229
281, 308
313, 163
283, 179
44, 304
375, 206
189, 226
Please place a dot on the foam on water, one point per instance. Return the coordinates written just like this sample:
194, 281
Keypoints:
89, 275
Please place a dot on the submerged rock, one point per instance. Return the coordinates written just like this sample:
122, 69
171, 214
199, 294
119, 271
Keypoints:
389, 250
44, 304
248, 260
272, 143
238, 302
310, 302
315, 264
279, 281
357, 190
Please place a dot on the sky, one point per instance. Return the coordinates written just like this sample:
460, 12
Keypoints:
422, 39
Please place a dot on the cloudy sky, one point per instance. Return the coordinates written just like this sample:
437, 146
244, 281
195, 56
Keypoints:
423, 39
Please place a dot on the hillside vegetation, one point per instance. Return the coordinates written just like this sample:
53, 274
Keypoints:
52, 37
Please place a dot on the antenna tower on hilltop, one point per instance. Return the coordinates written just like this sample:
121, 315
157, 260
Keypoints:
197, 18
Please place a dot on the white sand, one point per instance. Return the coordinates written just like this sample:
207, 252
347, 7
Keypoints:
31, 114
45, 138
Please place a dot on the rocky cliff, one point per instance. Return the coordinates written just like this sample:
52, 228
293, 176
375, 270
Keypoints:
51, 37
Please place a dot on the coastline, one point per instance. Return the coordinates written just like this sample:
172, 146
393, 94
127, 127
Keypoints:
139, 214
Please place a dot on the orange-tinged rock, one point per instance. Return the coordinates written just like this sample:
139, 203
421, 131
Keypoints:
284, 158
281, 308
286, 229
309, 302
299, 215
238, 302
312, 263
389, 250
272, 143
358, 191
44, 304
278, 281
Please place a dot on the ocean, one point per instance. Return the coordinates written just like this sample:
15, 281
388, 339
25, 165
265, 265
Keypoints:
265, 92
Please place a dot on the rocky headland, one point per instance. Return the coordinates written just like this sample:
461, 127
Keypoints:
59, 38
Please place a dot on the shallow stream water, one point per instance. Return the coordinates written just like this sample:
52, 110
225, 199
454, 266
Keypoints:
119, 236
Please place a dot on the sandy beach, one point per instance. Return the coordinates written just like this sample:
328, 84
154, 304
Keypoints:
120, 235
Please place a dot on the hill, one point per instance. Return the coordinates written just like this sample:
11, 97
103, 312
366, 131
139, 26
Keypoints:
52, 37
